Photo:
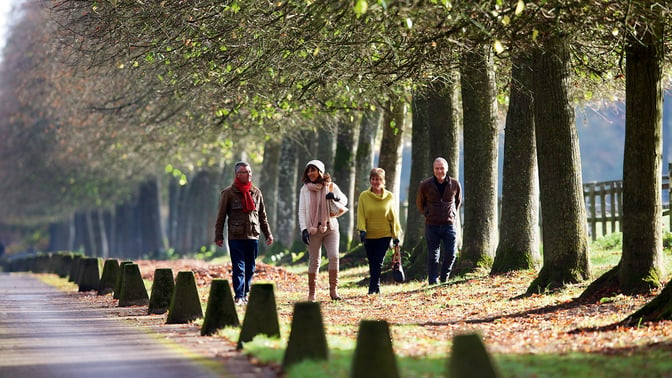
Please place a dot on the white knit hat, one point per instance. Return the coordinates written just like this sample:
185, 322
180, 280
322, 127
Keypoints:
317, 164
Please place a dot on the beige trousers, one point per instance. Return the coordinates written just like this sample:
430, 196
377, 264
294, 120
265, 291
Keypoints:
330, 240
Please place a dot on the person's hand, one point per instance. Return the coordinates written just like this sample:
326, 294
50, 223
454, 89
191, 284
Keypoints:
269, 240
305, 236
395, 242
331, 196
220, 243
362, 237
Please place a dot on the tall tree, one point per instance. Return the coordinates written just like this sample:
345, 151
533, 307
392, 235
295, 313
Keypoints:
344, 173
268, 179
566, 255
364, 158
391, 144
152, 229
421, 167
641, 265
479, 96
518, 246
287, 200
445, 127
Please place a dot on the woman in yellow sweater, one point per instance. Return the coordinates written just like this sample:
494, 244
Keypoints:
378, 224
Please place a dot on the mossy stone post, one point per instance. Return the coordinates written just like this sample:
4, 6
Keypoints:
162, 291
185, 305
74, 269
120, 279
66, 262
221, 311
109, 277
469, 358
133, 291
374, 356
307, 340
90, 274
261, 315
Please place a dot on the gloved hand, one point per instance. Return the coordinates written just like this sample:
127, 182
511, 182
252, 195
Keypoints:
362, 237
331, 196
395, 242
305, 236
219, 243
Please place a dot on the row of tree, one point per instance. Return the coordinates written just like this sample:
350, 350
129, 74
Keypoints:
104, 97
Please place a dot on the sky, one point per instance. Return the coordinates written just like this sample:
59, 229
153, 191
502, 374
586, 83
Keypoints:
5, 7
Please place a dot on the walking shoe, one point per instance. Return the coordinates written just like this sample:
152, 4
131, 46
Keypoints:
239, 301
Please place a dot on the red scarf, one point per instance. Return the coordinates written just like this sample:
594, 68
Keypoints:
248, 202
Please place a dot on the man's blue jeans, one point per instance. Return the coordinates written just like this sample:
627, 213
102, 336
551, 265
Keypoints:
434, 235
243, 256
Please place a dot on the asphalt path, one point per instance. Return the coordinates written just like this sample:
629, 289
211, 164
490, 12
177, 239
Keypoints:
44, 333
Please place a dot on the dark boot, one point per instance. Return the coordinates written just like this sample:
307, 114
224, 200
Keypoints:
333, 285
312, 283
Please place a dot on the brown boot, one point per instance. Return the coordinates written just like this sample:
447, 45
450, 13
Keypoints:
312, 283
333, 285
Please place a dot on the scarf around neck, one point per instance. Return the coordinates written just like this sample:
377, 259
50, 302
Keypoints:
318, 213
248, 202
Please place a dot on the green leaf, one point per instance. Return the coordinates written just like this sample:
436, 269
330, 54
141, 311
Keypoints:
361, 6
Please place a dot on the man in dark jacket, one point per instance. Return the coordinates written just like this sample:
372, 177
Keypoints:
243, 204
439, 200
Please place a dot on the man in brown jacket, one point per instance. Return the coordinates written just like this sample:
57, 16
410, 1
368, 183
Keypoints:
243, 204
438, 199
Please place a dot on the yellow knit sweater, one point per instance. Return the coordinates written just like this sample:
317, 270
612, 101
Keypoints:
377, 215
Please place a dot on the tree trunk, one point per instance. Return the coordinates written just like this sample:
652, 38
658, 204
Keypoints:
326, 146
518, 247
480, 159
445, 122
641, 263
172, 229
61, 235
392, 143
566, 257
150, 217
102, 238
364, 159
344, 176
79, 243
268, 180
287, 195
203, 200
445, 126
421, 167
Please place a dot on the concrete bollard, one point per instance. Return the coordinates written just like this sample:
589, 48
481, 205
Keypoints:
374, 356
109, 277
162, 291
185, 304
90, 274
261, 315
469, 358
133, 291
221, 311
307, 340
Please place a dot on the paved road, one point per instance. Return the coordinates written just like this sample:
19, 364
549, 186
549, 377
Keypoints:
44, 333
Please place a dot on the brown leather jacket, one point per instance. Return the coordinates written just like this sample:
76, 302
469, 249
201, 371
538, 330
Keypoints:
439, 209
241, 225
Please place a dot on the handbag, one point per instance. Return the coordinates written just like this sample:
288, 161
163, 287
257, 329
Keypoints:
336, 208
397, 267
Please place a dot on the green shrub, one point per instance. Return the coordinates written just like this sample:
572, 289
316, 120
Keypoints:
667, 241
610, 241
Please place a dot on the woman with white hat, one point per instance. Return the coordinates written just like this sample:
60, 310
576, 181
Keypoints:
318, 228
